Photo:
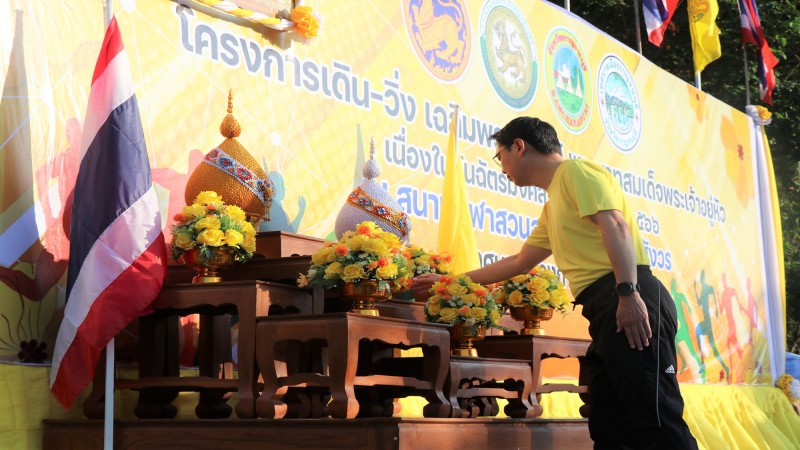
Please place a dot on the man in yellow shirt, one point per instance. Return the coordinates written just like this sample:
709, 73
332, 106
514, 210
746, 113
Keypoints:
588, 227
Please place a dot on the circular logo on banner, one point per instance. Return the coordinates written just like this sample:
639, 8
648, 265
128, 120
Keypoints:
440, 33
619, 105
509, 53
566, 71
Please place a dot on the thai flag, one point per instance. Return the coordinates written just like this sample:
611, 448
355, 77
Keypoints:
657, 14
117, 252
752, 33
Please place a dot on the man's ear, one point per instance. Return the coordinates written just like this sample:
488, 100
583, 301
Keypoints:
520, 146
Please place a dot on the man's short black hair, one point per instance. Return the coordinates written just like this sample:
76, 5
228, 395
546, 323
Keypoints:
538, 133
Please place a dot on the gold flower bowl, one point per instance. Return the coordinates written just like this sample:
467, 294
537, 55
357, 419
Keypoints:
531, 316
206, 269
462, 337
364, 294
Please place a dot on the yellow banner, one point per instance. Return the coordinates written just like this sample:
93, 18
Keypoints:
396, 69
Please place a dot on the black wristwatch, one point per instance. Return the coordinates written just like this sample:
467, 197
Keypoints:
626, 288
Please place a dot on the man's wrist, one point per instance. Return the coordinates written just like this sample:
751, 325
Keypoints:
626, 288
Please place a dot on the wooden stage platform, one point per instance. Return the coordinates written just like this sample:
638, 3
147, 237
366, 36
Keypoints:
308, 434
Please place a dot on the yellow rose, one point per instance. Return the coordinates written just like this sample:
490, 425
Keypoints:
433, 305
321, 255
208, 223
192, 211
214, 238
247, 228
391, 239
183, 240
376, 247
448, 315
249, 243
469, 299
479, 314
386, 272
356, 242
206, 197
235, 213
233, 238
538, 284
334, 270
352, 272
520, 278
541, 296
456, 289
494, 316
514, 298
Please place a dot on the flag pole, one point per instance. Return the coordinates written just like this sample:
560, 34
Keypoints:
697, 80
638, 26
108, 416
746, 77
746, 71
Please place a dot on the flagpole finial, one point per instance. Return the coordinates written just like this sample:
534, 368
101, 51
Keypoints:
230, 127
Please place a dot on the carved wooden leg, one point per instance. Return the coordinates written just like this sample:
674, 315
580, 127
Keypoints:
521, 407
452, 383
343, 361
267, 406
436, 362
215, 354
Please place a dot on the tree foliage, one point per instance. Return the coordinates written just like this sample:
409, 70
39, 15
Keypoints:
725, 80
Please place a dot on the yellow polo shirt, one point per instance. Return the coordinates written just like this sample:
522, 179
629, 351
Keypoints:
581, 188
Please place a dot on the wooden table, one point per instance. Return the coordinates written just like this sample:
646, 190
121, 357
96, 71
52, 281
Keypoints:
534, 349
159, 377
342, 333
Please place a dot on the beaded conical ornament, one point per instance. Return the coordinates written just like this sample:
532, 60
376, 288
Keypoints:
232, 172
370, 201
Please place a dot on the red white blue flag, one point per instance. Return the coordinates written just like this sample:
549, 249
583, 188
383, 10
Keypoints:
657, 14
117, 252
752, 33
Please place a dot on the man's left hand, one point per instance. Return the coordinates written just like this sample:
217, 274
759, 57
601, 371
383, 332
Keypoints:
632, 319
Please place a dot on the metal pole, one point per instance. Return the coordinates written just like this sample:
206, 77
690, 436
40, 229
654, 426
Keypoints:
746, 76
566, 5
638, 26
108, 416
746, 71
697, 80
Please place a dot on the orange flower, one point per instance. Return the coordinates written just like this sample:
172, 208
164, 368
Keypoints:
305, 22
342, 250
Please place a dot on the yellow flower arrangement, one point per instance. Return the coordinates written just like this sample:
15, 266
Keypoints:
540, 287
366, 253
209, 224
420, 262
456, 299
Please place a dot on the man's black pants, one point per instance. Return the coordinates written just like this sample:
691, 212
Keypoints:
634, 399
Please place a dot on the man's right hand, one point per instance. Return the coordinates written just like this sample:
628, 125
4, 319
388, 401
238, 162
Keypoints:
422, 285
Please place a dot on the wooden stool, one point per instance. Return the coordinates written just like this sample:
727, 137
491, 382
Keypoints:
472, 378
534, 349
342, 333
159, 375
